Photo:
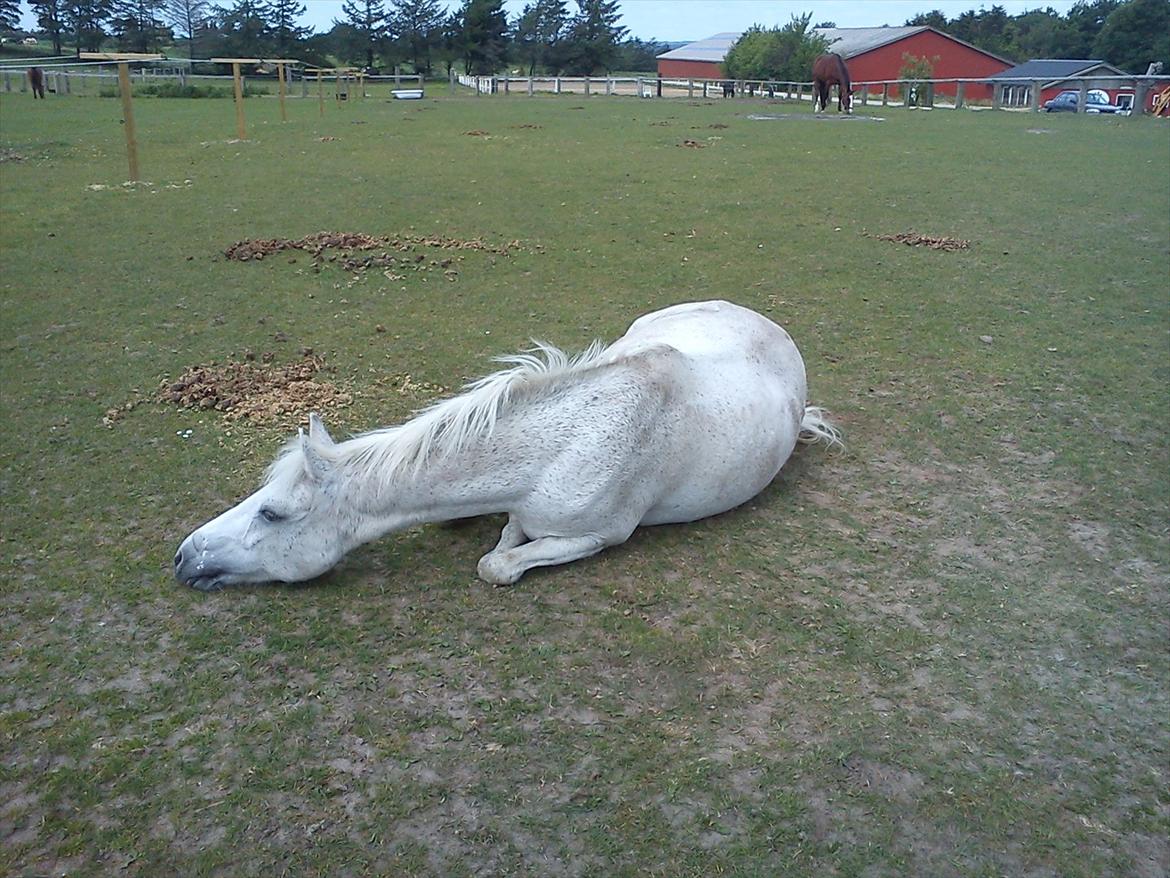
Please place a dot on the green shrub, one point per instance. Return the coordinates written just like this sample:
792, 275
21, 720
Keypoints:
178, 90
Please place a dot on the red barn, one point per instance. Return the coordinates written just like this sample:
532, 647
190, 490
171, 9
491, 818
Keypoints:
699, 60
873, 54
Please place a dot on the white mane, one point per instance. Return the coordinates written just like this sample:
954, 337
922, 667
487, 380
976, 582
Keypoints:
447, 426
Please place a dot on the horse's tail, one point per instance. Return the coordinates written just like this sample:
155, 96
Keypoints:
815, 427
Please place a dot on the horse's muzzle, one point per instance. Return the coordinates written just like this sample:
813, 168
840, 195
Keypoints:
191, 569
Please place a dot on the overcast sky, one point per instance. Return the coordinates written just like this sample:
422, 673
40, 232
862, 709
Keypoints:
678, 20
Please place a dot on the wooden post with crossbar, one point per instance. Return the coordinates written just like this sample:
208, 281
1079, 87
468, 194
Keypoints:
127, 94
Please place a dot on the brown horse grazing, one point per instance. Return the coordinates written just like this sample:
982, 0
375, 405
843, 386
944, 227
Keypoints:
829, 70
36, 79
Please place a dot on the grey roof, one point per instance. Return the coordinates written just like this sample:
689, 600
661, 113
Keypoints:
1052, 69
713, 49
848, 42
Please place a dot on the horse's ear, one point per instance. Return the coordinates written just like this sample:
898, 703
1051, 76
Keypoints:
317, 431
313, 445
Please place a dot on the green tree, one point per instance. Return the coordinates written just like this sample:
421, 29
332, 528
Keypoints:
367, 23
639, 55
51, 19
418, 26
539, 32
449, 48
244, 29
1083, 22
9, 14
915, 72
86, 22
1036, 34
187, 18
785, 53
138, 24
594, 33
934, 18
986, 29
746, 59
1135, 35
285, 32
484, 36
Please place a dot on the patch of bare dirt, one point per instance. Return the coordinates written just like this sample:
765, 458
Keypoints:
692, 144
318, 243
889, 781
260, 393
934, 242
10, 155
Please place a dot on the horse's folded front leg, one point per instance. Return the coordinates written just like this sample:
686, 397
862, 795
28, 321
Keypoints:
511, 536
503, 567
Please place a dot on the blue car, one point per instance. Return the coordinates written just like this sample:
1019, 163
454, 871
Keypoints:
1096, 101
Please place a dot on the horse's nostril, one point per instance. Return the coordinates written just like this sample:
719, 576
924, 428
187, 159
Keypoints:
178, 558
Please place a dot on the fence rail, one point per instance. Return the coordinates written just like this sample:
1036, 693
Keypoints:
1142, 94
953, 93
88, 78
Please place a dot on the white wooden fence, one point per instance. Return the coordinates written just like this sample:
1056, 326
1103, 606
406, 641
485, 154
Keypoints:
64, 77
955, 93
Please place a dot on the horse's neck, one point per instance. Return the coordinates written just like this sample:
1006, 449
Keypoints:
483, 476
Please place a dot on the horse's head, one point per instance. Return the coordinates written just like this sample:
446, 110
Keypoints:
289, 530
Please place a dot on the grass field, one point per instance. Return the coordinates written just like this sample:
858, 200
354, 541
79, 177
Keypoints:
943, 652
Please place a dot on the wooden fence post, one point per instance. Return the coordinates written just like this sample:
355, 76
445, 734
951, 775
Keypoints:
128, 118
959, 95
239, 88
586, 86
1083, 96
1141, 90
1036, 95
280, 77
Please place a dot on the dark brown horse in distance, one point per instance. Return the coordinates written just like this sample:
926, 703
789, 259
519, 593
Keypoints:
36, 80
829, 70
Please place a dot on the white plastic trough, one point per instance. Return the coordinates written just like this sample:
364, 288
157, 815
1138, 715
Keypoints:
407, 94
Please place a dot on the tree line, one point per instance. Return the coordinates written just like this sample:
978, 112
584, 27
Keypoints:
416, 35
549, 37
1129, 34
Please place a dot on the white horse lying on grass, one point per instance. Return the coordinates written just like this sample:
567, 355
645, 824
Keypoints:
690, 413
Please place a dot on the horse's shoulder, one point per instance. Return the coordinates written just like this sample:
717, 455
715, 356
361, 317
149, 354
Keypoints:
650, 358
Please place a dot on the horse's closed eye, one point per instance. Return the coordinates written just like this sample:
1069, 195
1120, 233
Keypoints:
271, 515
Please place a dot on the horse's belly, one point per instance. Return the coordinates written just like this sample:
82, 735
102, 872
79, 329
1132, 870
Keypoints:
725, 463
